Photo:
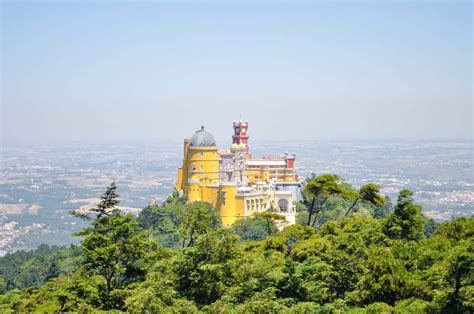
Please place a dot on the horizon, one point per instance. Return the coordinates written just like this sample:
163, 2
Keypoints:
227, 142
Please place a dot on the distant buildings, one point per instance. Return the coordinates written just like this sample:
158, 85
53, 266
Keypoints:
234, 182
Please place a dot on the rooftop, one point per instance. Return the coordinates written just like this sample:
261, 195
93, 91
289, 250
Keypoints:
202, 138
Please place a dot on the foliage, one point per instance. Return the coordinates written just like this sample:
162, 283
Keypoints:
406, 221
197, 219
382, 211
357, 264
177, 224
22, 269
253, 228
317, 192
114, 248
327, 197
270, 221
368, 193
105, 207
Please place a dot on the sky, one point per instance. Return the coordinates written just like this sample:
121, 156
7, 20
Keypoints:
103, 71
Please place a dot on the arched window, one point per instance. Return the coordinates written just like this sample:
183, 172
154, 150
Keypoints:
283, 204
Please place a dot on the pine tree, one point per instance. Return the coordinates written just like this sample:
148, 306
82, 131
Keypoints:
108, 201
114, 247
368, 193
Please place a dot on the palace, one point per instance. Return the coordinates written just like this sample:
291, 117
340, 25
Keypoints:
234, 182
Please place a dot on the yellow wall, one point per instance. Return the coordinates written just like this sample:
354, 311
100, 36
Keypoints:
203, 164
267, 174
209, 194
194, 192
230, 208
257, 175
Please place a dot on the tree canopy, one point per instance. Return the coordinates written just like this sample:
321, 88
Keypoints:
177, 258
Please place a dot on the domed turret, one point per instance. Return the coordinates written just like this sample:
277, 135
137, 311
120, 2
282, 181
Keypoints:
202, 138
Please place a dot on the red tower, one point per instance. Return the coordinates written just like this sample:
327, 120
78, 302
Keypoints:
240, 133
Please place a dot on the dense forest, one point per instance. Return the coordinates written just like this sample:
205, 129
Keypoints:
352, 251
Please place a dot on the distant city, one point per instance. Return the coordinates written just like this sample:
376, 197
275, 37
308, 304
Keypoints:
40, 186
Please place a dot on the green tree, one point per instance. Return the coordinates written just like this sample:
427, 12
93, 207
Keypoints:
252, 228
384, 280
406, 222
158, 293
369, 193
105, 207
197, 218
270, 221
384, 210
114, 247
429, 227
203, 270
318, 190
34, 268
456, 230
460, 278
162, 217
163, 221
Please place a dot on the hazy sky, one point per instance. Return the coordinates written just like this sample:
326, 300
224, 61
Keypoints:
105, 71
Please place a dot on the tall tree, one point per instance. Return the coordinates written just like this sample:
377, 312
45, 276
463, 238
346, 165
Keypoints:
107, 202
319, 190
114, 247
406, 222
369, 193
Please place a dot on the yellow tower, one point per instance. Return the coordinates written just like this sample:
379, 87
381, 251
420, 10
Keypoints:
200, 172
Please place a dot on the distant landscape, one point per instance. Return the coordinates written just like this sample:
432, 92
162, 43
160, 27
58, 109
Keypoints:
39, 186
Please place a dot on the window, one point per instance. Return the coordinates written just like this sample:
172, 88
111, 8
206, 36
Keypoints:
202, 154
194, 168
202, 167
213, 167
223, 198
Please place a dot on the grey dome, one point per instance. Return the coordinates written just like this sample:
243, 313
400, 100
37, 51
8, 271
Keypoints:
202, 138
